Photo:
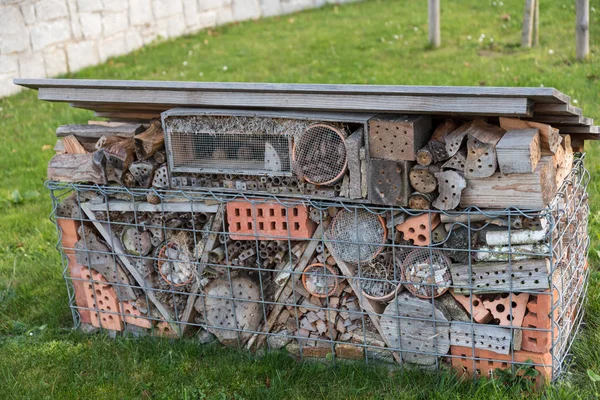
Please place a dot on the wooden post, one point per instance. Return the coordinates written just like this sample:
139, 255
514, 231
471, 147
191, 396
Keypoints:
435, 38
528, 15
536, 24
583, 29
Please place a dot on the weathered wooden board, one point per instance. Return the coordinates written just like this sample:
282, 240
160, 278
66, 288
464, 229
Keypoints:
484, 337
527, 191
496, 277
389, 182
354, 142
97, 131
519, 151
128, 206
77, 168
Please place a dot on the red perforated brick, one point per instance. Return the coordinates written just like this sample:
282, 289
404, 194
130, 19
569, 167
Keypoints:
133, 316
486, 362
266, 221
164, 329
480, 314
418, 229
538, 317
102, 297
69, 237
507, 309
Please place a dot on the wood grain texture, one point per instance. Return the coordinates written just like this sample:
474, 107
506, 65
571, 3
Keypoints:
97, 131
519, 151
549, 137
77, 168
480, 336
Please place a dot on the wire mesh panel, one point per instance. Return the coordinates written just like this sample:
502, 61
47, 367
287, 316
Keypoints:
474, 290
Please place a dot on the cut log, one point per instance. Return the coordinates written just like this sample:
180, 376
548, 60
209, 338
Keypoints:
484, 337
135, 242
496, 277
77, 168
420, 201
457, 161
519, 151
450, 187
150, 141
435, 150
455, 139
481, 149
143, 172
423, 179
97, 131
524, 236
72, 146
549, 137
119, 156
527, 191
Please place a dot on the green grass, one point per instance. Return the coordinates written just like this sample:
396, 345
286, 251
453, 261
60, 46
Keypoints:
375, 42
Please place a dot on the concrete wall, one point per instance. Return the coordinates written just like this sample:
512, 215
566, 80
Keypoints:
45, 38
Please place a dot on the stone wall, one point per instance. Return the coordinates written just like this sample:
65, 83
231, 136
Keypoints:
45, 38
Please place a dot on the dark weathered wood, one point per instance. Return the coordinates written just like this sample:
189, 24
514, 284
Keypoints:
455, 139
555, 109
150, 141
435, 150
481, 149
519, 151
143, 172
388, 182
450, 187
77, 168
527, 191
97, 131
420, 201
119, 156
398, 137
354, 142
458, 161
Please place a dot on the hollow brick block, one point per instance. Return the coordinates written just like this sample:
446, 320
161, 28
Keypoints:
483, 363
103, 299
538, 317
419, 228
480, 314
265, 221
505, 304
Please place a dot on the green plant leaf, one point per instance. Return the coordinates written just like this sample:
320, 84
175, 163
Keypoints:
593, 376
16, 197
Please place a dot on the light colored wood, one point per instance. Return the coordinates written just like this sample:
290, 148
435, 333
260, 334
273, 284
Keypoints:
526, 191
549, 137
528, 16
481, 149
353, 145
110, 238
497, 277
414, 326
128, 206
484, 337
77, 168
515, 253
536, 24
107, 123
450, 187
423, 179
435, 38
72, 145
582, 11
519, 151
455, 139
457, 162
514, 236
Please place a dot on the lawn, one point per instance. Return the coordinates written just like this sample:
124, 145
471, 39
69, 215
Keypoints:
373, 42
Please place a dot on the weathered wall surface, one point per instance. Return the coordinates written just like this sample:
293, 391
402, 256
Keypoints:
45, 38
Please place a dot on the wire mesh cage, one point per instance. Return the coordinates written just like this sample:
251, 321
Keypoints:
480, 290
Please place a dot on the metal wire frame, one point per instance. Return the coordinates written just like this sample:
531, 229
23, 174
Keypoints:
567, 227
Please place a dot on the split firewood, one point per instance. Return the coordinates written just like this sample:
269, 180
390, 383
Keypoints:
481, 149
457, 161
150, 141
423, 179
420, 201
143, 172
119, 156
450, 186
519, 151
72, 146
455, 139
77, 168
435, 150
549, 137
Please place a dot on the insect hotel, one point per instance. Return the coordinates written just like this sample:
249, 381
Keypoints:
443, 227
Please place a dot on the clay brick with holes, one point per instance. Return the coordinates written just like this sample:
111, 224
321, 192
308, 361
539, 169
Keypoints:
266, 221
398, 137
480, 314
69, 237
486, 362
508, 309
418, 229
164, 329
102, 298
133, 316
538, 317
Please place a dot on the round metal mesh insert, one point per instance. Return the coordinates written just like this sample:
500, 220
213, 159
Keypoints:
357, 236
427, 273
320, 280
174, 264
320, 155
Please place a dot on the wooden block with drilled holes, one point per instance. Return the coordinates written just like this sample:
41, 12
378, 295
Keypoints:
103, 299
508, 309
480, 314
388, 182
484, 363
481, 149
418, 228
398, 137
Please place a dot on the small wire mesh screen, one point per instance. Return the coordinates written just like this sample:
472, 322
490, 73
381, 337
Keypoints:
427, 273
239, 145
320, 155
357, 236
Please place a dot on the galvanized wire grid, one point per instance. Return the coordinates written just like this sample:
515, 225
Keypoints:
239, 309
